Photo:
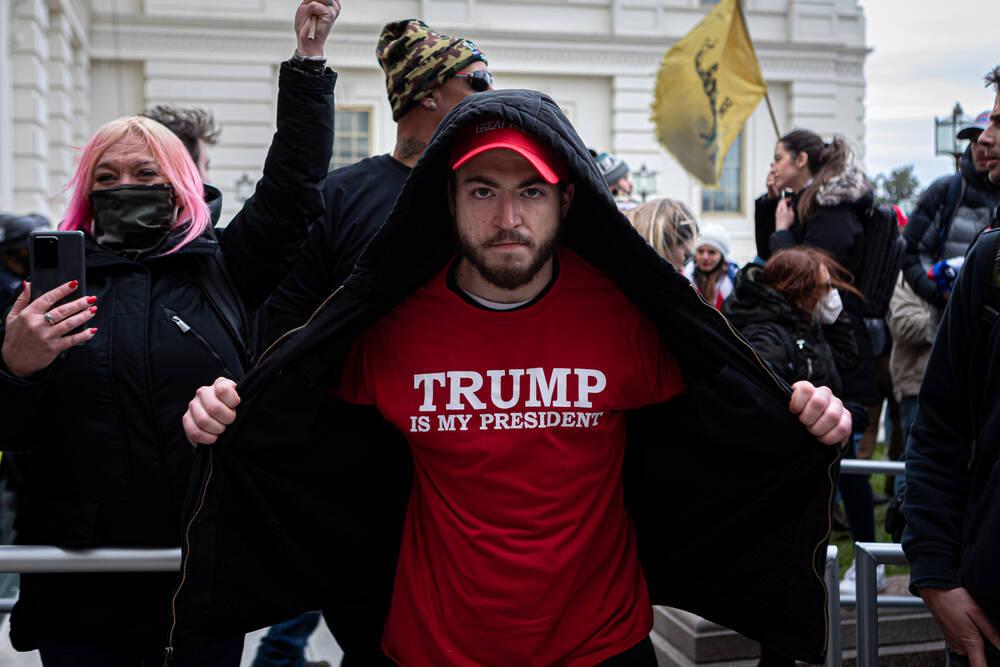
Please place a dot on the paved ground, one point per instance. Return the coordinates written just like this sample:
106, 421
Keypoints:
321, 647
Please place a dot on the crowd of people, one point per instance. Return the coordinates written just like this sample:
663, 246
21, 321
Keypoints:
452, 399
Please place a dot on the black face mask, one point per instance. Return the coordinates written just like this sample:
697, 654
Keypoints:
133, 220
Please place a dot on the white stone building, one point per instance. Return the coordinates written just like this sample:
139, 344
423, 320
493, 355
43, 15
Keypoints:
67, 66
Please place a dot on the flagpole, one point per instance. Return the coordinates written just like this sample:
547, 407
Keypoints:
774, 119
767, 94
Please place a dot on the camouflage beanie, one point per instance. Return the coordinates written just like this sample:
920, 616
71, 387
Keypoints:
416, 60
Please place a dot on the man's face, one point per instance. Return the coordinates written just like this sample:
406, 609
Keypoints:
990, 141
456, 89
203, 161
978, 155
507, 217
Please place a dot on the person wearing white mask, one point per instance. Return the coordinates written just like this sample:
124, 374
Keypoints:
791, 310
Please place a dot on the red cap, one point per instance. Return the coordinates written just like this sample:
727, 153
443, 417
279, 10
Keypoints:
492, 135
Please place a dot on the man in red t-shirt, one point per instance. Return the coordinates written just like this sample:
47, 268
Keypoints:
517, 547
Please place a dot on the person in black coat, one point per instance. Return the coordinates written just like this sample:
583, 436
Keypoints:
93, 390
952, 506
279, 465
950, 215
789, 311
816, 198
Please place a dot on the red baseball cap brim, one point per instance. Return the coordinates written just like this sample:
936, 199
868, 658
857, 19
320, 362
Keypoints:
474, 143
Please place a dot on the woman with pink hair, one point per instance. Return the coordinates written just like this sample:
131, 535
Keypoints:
92, 391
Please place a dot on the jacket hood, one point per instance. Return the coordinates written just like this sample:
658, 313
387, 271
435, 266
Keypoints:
752, 301
594, 228
213, 197
848, 187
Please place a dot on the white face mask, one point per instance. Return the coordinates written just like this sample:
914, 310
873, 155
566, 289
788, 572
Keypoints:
828, 309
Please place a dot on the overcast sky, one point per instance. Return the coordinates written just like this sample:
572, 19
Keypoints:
926, 56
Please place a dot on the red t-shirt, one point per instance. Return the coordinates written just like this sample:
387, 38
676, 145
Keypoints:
517, 548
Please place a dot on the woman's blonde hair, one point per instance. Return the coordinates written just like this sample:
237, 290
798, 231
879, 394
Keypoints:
174, 161
664, 223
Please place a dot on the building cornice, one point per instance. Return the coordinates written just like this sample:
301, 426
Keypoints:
352, 45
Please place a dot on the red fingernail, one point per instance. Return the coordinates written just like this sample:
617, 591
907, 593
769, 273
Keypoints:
91, 299
93, 309
73, 284
94, 330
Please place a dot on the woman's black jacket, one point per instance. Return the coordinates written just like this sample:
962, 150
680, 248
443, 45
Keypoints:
795, 347
104, 459
836, 228
301, 501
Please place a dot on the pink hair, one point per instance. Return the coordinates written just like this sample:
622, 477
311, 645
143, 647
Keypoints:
171, 156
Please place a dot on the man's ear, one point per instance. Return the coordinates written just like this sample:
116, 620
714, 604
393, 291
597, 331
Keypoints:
433, 101
566, 197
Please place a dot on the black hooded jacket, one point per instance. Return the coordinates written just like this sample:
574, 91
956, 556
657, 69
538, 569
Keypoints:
796, 347
98, 432
301, 501
942, 229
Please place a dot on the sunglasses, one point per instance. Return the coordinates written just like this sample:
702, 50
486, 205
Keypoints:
480, 80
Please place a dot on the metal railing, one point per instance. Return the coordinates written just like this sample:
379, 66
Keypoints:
865, 467
42, 559
868, 556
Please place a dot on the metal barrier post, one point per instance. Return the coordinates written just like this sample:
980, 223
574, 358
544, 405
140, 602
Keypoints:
834, 644
867, 557
866, 594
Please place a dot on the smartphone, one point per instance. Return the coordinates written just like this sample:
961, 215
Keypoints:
787, 193
55, 258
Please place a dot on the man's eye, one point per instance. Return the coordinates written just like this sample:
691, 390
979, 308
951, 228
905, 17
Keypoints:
481, 193
533, 193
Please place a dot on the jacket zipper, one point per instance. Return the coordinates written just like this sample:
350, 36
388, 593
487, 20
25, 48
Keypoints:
186, 329
288, 333
829, 470
169, 650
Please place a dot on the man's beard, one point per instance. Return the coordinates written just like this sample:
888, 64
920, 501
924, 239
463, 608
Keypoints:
505, 275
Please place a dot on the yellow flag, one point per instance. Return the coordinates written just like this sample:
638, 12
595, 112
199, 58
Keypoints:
708, 85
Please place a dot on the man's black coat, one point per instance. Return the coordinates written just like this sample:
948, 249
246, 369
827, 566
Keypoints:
301, 501
952, 507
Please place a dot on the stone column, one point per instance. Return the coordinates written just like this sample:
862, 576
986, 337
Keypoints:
81, 96
30, 116
6, 94
60, 111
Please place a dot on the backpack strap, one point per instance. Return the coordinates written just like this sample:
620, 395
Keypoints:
953, 198
214, 280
